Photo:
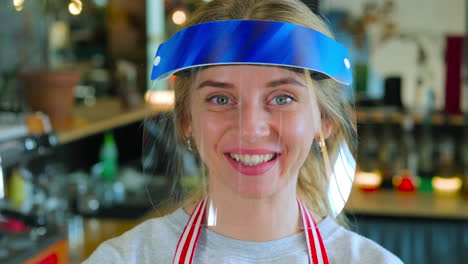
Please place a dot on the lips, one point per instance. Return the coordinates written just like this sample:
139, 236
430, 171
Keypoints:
253, 161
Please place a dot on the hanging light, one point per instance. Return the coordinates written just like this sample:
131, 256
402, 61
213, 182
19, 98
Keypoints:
179, 16
18, 4
75, 7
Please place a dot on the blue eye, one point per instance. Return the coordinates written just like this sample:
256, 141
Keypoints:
282, 100
220, 100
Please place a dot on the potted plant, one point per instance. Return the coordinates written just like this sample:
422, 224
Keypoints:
50, 87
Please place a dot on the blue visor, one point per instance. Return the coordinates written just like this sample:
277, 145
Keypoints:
252, 42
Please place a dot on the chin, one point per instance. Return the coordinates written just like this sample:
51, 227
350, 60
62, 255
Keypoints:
250, 186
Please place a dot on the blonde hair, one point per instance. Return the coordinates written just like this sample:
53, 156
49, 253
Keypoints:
313, 177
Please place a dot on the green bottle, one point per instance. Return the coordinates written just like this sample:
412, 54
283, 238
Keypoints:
427, 148
109, 158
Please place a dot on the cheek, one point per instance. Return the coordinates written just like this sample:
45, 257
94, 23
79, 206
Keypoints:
297, 135
208, 130
298, 128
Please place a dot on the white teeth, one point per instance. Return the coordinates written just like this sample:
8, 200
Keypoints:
251, 160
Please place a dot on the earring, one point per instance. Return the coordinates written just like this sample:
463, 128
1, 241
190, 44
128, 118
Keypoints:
321, 143
189, 144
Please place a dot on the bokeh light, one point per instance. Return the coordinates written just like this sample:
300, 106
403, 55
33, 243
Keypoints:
165, 98
75, 7
18, 4
179, 16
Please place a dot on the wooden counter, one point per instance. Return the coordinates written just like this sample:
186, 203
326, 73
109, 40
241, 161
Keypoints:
97, 231
380, 203
394, 203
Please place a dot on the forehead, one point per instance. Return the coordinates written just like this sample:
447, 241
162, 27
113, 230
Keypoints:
252, 72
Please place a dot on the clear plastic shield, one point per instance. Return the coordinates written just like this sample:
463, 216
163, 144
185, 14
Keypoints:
253, 141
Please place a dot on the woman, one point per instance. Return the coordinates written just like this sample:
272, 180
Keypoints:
258, 98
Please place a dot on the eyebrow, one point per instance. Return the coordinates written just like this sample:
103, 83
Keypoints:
282, 81
271, 84
215, 84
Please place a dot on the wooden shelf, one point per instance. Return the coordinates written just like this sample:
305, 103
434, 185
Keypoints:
106, 114
393, 203
109, 113
382, 115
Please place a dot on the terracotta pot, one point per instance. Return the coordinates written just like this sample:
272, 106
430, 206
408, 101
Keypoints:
51, 92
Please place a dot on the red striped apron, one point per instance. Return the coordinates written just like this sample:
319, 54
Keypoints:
188, 240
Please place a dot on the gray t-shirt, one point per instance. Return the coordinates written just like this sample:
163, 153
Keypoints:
154, 241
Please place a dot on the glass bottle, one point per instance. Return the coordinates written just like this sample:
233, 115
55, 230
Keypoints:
368, 177
109, 157
427, 148
405, 180
446, 180
108, 173
387, 154
426, 155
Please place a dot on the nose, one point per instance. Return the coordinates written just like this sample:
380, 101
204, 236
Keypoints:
253, 122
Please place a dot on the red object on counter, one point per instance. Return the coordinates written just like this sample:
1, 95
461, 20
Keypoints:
404, 182
406, 185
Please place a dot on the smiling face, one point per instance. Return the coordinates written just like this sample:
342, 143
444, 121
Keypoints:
253, 127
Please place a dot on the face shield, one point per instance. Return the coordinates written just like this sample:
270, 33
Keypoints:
263, 123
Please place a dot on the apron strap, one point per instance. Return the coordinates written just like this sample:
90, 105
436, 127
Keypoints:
185, 250
315, 246
188, 240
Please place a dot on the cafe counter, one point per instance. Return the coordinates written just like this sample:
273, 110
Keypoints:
380, 203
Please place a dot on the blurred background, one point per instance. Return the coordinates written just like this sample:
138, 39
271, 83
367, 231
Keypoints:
74, 76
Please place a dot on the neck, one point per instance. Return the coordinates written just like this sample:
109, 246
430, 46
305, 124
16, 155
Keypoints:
254, 219
257, 219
